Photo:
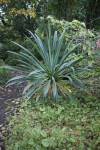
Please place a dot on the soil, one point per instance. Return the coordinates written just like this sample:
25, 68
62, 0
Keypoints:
7, 95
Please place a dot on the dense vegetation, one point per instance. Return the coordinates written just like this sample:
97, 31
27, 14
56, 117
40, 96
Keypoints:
4, 73
65, 126
25, 14
69, 125
56, 47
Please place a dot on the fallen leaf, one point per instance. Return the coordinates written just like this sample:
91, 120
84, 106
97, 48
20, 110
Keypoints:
76, 131
3, 128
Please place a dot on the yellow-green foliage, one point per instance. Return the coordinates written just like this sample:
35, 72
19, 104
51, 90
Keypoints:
23, 11
5, 1
17, 12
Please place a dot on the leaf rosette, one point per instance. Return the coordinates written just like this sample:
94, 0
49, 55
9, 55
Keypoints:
53, 74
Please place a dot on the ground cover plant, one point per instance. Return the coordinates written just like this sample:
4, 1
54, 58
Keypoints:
51, 75
92, 79
54, 127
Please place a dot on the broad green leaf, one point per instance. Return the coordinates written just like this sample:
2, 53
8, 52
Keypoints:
31, 142
45, 143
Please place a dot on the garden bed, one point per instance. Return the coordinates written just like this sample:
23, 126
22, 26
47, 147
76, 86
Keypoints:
40, 126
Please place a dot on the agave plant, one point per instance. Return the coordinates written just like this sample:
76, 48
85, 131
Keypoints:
53, 74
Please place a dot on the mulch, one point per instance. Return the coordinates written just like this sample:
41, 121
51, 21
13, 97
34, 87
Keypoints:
7, 96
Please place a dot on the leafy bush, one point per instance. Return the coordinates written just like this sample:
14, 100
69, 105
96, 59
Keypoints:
75, 30
4, 48
53, 74
42, 127
12, 60
4, 73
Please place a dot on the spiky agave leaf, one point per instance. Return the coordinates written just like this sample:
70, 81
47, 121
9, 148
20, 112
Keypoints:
54, 74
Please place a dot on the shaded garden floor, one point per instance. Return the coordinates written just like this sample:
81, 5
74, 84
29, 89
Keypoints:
8, 102
9, 95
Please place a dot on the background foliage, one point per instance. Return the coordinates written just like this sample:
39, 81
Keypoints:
4, 73
25, 14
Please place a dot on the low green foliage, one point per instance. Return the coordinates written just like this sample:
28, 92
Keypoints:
12, 60
92, 79
5, 47
54, 74
67, 126
4, 73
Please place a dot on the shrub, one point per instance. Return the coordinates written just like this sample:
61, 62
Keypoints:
4, 73
12, 60
54, 73
75, 30
5, 47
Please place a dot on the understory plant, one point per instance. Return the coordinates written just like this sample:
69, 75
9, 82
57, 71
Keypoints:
68, 126
76, 30
4, 73
53, 74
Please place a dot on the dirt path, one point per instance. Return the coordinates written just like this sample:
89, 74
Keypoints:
6, 106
